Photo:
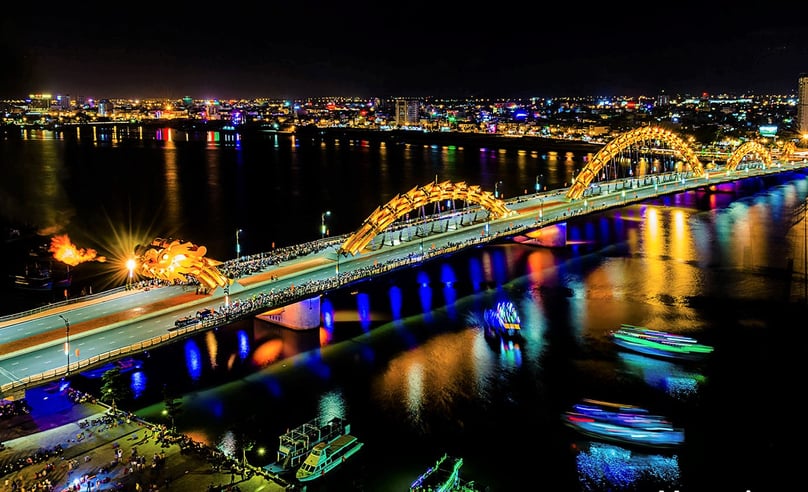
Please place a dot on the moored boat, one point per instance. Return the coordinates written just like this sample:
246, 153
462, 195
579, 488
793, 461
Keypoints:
325, 456
443, 476
659, 343
294, 445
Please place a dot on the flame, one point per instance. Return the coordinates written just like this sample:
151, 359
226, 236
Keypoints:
67, 252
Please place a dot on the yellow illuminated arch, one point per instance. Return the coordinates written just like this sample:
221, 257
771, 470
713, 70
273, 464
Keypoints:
613, 148
788, 150
383, 216
746, 149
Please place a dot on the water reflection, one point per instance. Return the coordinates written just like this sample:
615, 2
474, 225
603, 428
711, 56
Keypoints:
193, 359
669, 377
609, 467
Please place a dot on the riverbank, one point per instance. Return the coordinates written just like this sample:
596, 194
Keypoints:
61, 444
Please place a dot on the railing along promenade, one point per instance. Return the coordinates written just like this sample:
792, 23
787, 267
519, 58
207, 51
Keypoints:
604, 195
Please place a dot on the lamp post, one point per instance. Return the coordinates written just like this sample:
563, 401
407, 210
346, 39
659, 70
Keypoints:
238, 246
67, 342
130, 265
539, 179
325, 214
497, 185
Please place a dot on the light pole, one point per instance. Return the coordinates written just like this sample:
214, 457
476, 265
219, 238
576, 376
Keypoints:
539, 179
497, 185
325, 214
238, 246
130, 265
67, 342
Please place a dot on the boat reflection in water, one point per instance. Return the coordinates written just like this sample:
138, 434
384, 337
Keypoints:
663, 375
603, 466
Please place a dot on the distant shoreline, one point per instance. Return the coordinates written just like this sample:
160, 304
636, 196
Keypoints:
412, 137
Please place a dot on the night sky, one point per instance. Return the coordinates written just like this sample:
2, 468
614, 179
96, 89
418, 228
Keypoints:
302, 48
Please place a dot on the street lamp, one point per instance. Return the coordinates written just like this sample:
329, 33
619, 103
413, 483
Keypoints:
496, 188
325, 214
67, 342
539, 179
238, 246
130, 265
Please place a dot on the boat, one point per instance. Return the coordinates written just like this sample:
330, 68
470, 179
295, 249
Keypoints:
443, 476
124, 365
659, 343
502, 321
325, 456
627, 424
38, 273
294, 445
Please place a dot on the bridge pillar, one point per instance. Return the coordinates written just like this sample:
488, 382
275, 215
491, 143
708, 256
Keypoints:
302, 315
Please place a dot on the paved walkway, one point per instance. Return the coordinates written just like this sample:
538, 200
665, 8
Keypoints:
56, 453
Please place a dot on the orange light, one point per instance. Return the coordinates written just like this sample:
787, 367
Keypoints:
67, 252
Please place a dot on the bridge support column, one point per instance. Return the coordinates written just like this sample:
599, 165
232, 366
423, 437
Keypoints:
302, 315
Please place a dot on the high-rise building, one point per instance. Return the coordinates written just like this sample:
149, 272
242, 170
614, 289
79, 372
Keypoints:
407, 112
105, 107
802, 108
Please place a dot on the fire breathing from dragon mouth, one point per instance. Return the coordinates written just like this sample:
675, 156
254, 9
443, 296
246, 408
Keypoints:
70, 254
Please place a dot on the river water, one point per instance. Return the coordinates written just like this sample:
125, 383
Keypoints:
404, 358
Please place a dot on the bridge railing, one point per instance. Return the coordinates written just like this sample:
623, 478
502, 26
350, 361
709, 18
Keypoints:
67, 302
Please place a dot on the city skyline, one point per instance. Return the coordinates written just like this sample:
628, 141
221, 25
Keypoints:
312, 49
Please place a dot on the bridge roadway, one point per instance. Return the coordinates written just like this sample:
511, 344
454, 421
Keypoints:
121, 322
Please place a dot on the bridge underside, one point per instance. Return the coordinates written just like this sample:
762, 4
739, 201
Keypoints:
302, 315
553, 236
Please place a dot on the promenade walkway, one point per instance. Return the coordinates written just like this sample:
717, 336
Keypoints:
53, 451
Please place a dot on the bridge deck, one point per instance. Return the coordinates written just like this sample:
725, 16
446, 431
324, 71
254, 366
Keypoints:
58, 334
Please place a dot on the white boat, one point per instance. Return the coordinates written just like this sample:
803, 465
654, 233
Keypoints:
296, 444
327, 456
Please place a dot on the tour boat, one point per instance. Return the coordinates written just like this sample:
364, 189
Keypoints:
502, 321
443, 476
325, 456
297, 443
627, 424
659, 343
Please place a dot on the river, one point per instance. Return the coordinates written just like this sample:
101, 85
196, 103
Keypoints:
403, 357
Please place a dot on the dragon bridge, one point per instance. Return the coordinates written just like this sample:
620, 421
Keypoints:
748, 148
418, 197
626, 140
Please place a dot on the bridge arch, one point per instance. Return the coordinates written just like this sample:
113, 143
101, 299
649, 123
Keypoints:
788, 150
383, 216
625, 140
745, 149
